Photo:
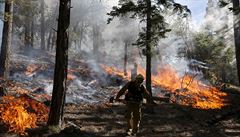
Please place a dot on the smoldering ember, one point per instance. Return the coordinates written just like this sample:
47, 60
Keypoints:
143, 68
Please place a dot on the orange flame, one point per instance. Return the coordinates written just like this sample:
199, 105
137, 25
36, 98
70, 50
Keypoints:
30, 69
112, 70
201, 95
70, 76
15, 112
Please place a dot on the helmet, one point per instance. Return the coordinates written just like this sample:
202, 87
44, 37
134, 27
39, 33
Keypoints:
139, 77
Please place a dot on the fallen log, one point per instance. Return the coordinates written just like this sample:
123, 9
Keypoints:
229, 88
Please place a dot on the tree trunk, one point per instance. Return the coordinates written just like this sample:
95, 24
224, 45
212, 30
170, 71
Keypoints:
49, 40
27, 37
53, 41
125, 58
95, 40
148, 49
81, 36
237, 36
32, 32
42, 25
6, 39
60, 72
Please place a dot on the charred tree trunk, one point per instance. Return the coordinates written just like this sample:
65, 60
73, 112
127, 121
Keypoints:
53, 41
134, 71
148, 49
60, 72
32, 32
42, 25
81, 36
95, 40
6, 39
49, 40
27, 37
237, 35
125, 57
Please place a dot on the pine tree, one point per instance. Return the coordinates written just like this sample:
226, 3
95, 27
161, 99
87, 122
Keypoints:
236, 9
236, 13
6, 39
42, 11
60, 72
151, 13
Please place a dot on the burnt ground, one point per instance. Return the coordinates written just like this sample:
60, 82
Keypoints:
161, 120
104, 119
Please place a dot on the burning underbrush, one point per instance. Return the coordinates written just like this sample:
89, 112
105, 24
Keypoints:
186, 90
21, 113
33, 86
21, 109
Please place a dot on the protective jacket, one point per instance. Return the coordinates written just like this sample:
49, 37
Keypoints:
135, 93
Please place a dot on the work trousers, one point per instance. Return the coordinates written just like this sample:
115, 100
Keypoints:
133, 115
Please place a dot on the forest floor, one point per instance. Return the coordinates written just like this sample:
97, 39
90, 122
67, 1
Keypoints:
161, 120
164, 120
102, 118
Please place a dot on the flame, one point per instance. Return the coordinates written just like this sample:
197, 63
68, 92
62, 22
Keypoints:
31, 69
70, 76
192, 92
20, 113
115, 71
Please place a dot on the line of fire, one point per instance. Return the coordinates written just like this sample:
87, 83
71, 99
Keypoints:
142, 68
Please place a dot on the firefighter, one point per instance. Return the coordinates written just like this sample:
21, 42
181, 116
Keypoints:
134, 92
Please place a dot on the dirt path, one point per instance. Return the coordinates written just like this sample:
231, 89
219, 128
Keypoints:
166, 120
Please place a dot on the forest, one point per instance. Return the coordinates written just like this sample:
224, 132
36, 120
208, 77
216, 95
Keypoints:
97, 68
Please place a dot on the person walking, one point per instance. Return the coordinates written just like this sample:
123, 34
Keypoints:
134, 92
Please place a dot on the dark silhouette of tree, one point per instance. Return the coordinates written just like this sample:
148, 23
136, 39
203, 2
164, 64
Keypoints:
60, 72
236, 10
6, 39
42, 10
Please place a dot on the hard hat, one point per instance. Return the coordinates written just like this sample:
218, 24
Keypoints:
140, 77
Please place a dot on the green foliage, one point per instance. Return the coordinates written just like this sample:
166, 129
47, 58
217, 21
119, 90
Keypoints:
215, 54
138, 9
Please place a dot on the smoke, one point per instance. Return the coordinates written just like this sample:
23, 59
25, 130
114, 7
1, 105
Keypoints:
219, 22
51, 3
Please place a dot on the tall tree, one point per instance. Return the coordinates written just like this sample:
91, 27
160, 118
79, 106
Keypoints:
236, 24
60, 72
125, 57
155, 27
96, 39
42, 10
24, 19
6, 39
32, 31
236, 10
51, 24
148, 46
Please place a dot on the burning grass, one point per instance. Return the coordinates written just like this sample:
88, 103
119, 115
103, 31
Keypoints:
20, 113
188, 90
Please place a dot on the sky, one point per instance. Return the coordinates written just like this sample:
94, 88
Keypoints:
197, 7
